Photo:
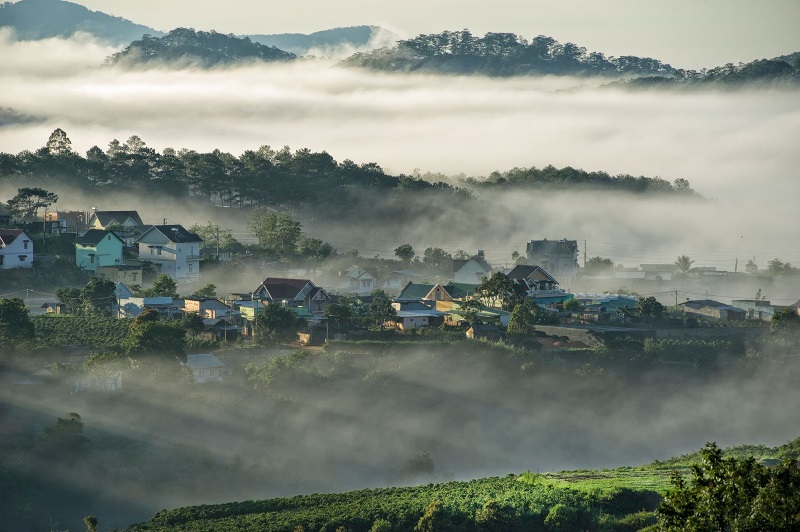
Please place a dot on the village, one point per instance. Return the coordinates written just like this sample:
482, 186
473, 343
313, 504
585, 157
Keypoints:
469, 296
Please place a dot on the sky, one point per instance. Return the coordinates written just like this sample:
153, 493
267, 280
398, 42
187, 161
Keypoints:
684, 33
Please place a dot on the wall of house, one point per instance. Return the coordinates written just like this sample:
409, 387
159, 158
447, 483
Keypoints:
471, 273
18, 254
178, 260
202, 376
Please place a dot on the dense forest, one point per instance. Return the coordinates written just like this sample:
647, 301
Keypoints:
200, 48
276, 178
761, 71
551, 177
501, 54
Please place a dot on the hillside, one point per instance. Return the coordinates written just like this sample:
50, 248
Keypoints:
43, 19
620, 499
303, 44
762, 71
500, 54
185, 46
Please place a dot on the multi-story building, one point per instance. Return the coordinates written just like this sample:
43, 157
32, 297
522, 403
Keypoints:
173, 251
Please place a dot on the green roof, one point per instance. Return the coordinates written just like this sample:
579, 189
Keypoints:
415, 291
459, 290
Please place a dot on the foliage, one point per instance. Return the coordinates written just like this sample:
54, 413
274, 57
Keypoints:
500, 54
276, 232
760, 71
648, 308
405, 253
726, 493
275, 324
346, 313
495, 289
552, 178
437, 259
215, 239
380, 309
684, 263
66, 434
201, 48
155, 338
29, 200
163, 286
208, 291
598, 266
785, 325
95, 331
16, 327
96, 298
777, 268
571, 304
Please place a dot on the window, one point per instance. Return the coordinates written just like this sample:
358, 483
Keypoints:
25, 243
133, 277
158, 251
211, 373
190, 268
201, 373
22, 257
91, 259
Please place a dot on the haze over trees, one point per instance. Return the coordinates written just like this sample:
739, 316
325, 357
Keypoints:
500, 54
185, 46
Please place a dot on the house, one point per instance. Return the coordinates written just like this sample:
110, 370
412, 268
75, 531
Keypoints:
295, 293
130, 307
222, 328
435, 292
53, 307
359, 281
648, 272
173, 250
538, 284
397, 279
714, 309
480, 331
98, 247
757, 308
209, 308
59, 222
16, 249
205, 368
127, 224
121, 273
104, 219
559, 257
471, 270
416, 315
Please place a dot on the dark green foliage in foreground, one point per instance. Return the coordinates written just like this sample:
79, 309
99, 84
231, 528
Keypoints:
486, 504
16, 327
500, 54
94, 331
726, 493
197, 47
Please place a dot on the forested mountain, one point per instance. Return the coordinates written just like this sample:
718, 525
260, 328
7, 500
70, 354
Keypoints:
42, 19
200, 48
301, 44
276, 177
500, 54
730, 75
551, 177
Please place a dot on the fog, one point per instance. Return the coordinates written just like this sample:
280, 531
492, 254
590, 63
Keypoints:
737, 148
356, 419
159, 445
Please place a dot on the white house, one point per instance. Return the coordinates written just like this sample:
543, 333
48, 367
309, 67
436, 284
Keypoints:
359, 281
205, 368
173, 250
472, 270
16, 249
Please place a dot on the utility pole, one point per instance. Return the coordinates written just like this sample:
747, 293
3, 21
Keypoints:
676, 300
584, 253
